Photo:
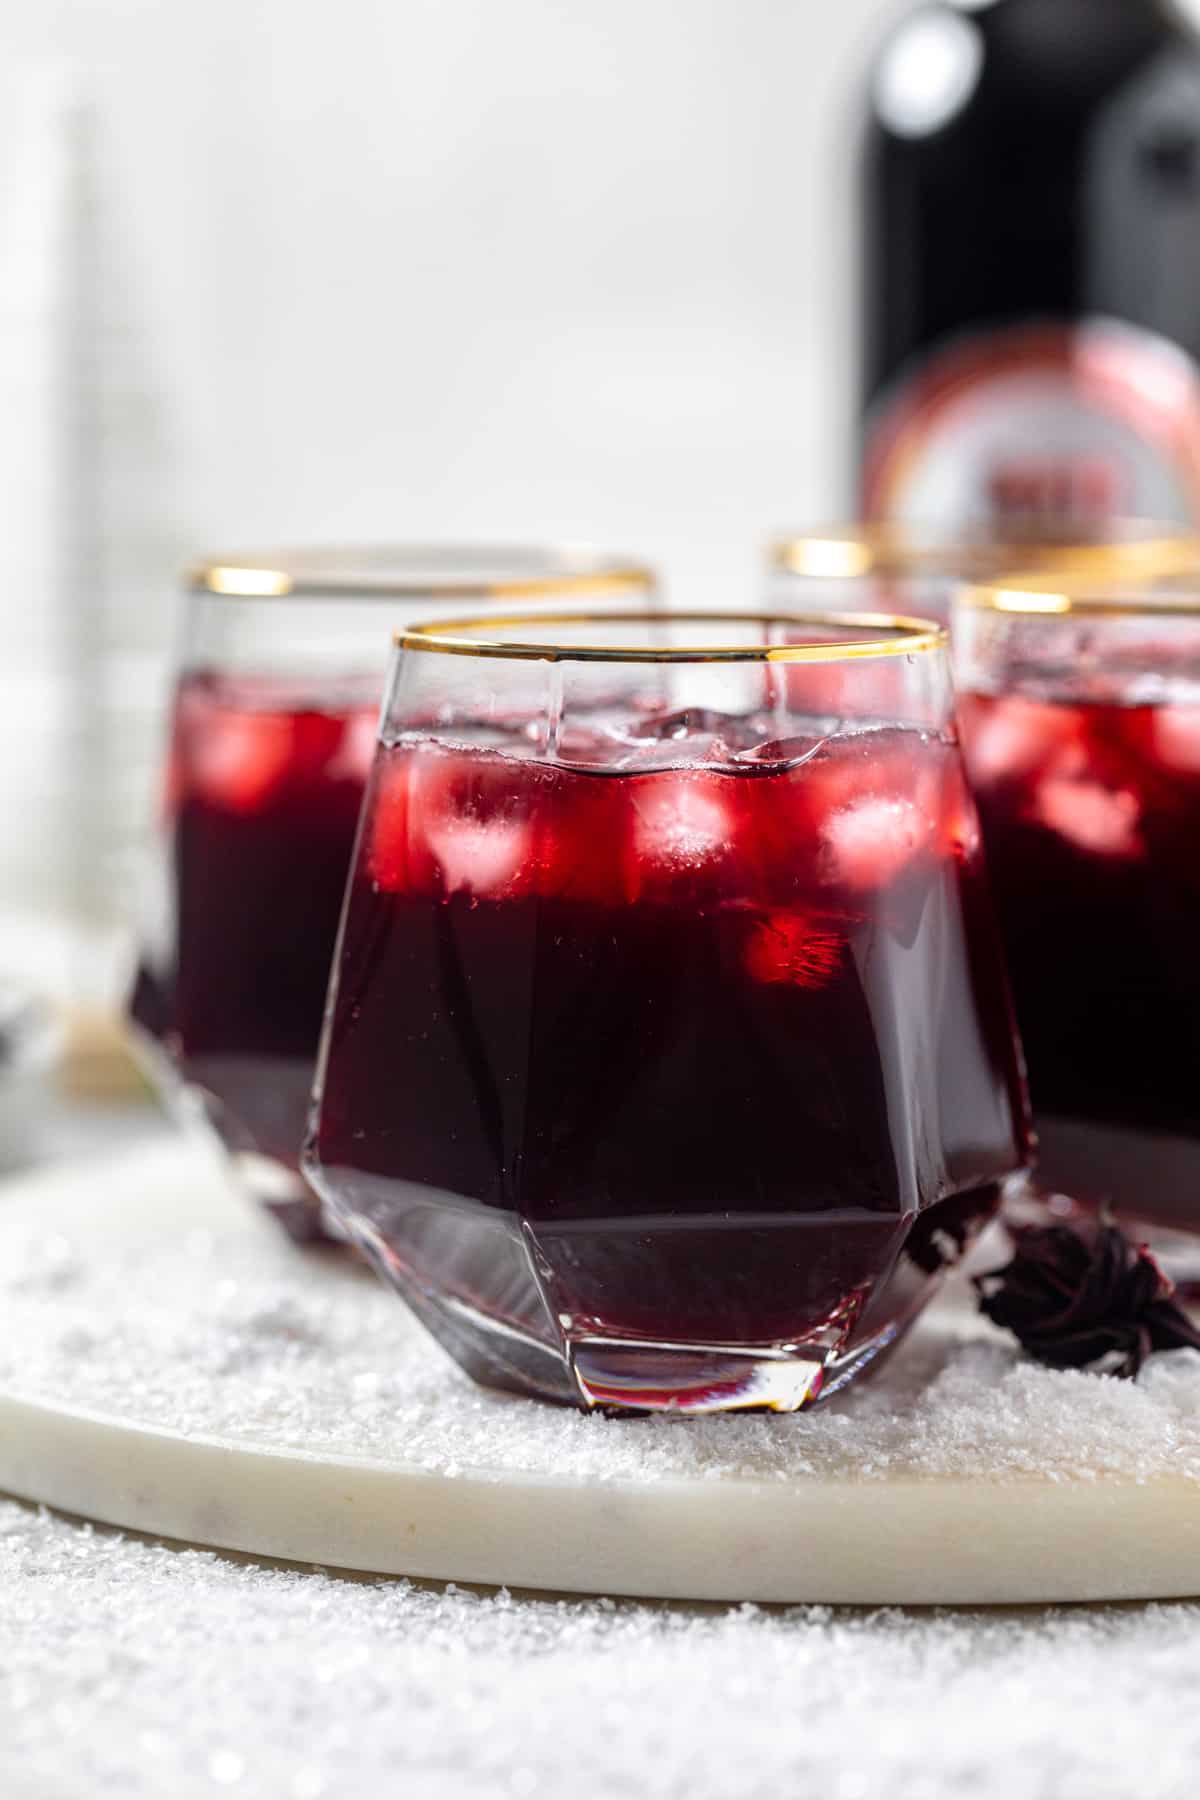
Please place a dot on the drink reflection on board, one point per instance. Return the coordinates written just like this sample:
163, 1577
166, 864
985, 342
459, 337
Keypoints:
274, 725
669, 1054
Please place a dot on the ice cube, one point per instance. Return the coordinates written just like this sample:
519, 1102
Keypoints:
795, 948
1103, 821
787, 752
956, 803
590, 746
238, 759
451, 820
675, 727
1011, 737
476, 815
692, 734
489, 858
386, 850
1177, 738
680, 821
869, 842
356, 746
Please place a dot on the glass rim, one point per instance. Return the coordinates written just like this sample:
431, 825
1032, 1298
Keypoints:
1036, 597
908, 636
843, 552
450, 571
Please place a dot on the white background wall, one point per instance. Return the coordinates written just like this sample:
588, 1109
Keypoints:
518, 268
506, 266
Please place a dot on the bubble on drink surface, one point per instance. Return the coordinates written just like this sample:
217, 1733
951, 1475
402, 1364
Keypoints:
870, 841
1102, 821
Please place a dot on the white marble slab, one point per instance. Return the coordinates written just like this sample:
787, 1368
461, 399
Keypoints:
169, 1363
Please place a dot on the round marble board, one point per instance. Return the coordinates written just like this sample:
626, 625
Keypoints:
169, 1363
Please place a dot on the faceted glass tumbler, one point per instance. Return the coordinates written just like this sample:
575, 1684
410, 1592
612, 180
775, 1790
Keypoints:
1081, 727
668, 1057
274, 722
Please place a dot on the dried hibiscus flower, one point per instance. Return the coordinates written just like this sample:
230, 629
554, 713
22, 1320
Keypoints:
1077, 1298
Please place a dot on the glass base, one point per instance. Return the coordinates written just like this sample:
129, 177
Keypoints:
269, 1180
694, 1379
476, 1278
281, 1190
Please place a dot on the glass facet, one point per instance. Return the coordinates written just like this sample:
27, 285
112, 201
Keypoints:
669, 1057
274, 723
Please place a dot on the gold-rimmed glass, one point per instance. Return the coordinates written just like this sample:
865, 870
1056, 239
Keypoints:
668, 1056
275, 711
914, 570
1080, 710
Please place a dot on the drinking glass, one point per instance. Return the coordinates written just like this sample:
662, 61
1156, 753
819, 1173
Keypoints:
668, 1056
274, 720
1081, 726
905, 569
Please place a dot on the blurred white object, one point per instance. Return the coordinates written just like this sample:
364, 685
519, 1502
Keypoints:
45, 703
60, 786
30, 1046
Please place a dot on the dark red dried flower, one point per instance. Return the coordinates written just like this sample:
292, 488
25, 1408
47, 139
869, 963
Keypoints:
1075, 1298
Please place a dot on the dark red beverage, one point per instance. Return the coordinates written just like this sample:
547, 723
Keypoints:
682, 1040
264, 786
1091, 813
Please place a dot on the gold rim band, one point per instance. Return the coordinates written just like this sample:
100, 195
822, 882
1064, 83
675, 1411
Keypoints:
484, 637
421, 572
1035, 596
849, 552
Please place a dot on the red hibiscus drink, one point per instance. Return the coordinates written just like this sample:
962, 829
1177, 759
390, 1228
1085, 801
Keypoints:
274, 726
263, 793
1083, 740
670, 1054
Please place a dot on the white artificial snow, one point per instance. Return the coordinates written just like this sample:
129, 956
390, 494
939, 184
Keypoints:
133, 1669
232, 1333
